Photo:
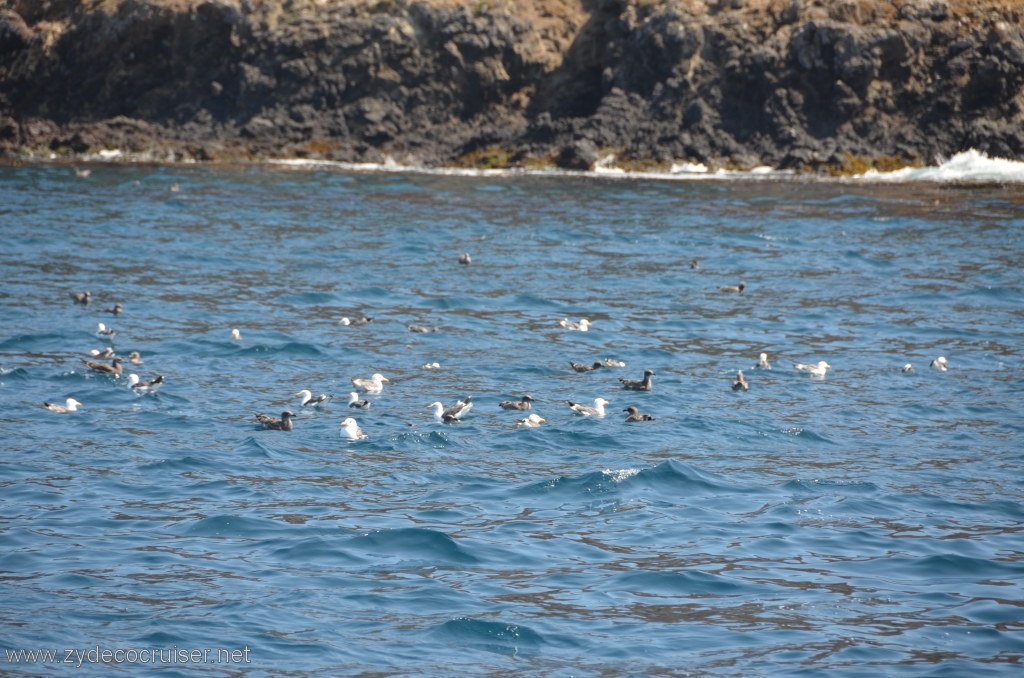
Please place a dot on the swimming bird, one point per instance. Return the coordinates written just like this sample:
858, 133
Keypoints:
115, 309
639, 384
350, 429
113, 368
762, 363
465, 258
70, 405
733, 288
105, 354
354, 401
521, 404
580, 367
309, 401
634, 415
815, 370
80, 297
453, 413
432, 366
582, 326
362, 320
275, 424
82, 172
135, 358
236, 335
104, 331
612, 362
374, 384
421, 329
532, 421
907, 369
144, 386
939, 363
586, 410
695, 264
739, 383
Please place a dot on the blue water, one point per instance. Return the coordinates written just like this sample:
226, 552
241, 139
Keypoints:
865, 524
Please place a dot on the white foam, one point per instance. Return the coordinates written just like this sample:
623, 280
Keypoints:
620, 474
969, 166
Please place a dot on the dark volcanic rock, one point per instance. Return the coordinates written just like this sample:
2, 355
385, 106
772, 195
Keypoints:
791, 83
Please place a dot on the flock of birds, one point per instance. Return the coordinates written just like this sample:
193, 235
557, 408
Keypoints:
442, 414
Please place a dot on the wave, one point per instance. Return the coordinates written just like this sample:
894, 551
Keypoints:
967, 167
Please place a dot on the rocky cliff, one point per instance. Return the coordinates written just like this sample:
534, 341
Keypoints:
807, 84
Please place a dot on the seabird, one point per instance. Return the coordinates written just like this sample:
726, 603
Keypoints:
522, 404
815, 370
236, 335
596, 410
80, 297
82, 173
639, 384
350, 429
740, 384
612, 362
580, 367
939, 363
583, 325
144, 386
532, 421
105, 354
432, 366
465, 258
634, 415
907, 369
113, 368
453, 413
762, 363
362, 320
71, 405
275, 424
354, 401
115, 309
309, 401
104, 331
374, 384
421, 329
134, 358
733, 288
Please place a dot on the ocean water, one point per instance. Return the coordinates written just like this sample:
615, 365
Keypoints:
866, 523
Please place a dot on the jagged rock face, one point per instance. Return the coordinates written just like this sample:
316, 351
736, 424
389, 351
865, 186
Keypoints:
790, 83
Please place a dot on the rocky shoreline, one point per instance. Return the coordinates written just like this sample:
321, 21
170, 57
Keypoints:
838, 86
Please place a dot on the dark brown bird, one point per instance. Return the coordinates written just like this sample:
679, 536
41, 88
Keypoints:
733, 288
522, 404
275, 424
80, 297
113, 368
740, 383
115, 309
634, 415
580, 367
639, 384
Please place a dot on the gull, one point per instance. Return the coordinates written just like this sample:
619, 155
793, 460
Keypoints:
639, 384
308, 399
275, 424
532, 421
115, 309
587, 411
522, 404
815, 370
583, 325
465, 258
374, 384
350, 429
105, 354
432, 366
762, 363
355, 323
580, 367
421, 329
144, 386
70, 405
612, 362
236, 335
113, 368
740, 384
354, 401
453, 413
907, 369
80, 297
135, 358
939, 363
104, 331
733, 288
634, 415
